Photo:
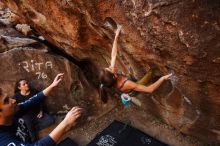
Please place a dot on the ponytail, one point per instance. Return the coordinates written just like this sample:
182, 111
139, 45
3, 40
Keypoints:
107, 81
103, 93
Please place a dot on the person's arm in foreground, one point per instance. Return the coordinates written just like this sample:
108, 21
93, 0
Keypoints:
50, 140
114, 48
149, 89
66, 124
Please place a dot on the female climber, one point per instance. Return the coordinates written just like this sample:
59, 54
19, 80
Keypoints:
109, 78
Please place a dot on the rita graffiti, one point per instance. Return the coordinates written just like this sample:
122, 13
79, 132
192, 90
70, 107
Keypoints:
38, 68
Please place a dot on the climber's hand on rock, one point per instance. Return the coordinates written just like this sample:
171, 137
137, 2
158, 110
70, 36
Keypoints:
118, 29
167, 77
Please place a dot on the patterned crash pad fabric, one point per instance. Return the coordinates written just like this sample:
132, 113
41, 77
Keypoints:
120, 134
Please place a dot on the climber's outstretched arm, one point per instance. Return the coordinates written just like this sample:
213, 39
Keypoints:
129, 85
114, 48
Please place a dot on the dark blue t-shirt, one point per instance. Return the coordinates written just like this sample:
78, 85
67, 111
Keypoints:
16, 134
